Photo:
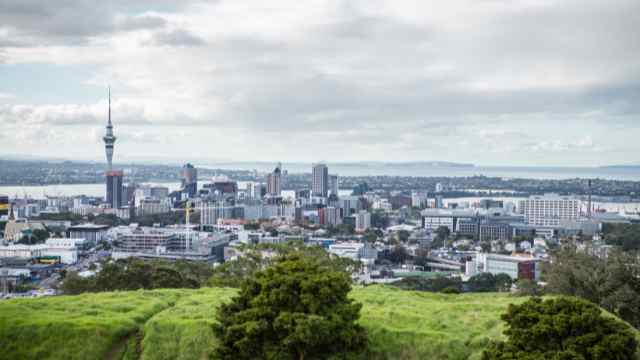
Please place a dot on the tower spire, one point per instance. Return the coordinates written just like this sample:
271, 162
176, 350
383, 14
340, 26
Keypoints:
109, 105
109, 138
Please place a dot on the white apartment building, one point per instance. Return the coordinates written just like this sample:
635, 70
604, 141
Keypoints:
549, 210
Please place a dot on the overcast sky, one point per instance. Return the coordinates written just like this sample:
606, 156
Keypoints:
492, 82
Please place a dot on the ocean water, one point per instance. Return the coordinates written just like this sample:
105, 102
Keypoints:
424, 169
363, 169
98, 190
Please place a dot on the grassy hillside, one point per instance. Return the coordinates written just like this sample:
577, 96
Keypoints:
420, 325
76, 327
184, 331
176, 324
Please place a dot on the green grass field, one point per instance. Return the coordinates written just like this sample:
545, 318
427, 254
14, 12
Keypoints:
176, 324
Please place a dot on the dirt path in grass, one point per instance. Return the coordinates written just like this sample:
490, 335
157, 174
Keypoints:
117, 350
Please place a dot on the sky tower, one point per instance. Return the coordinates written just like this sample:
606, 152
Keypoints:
109, 139
114, 177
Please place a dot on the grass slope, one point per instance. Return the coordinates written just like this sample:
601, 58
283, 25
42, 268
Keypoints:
421, 325
176, 324
184, 331
75, 327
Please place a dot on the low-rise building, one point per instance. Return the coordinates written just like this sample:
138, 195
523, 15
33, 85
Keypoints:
65, 253
91, 232
517, 267
21, 251
432, 219
354, 251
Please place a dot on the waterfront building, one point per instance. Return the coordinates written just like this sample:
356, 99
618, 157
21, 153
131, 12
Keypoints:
189, 181
115, 195
320, 177
334, 185
549, 210
274, 181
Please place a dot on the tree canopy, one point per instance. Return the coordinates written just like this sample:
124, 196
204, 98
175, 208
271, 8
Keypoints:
37, 236
297, 308
613, 283
562, 328
233, 273
134, 274
627, 236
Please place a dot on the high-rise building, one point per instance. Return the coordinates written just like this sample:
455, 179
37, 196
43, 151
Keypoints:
115, 195
320, 185
329, 216
439, 204
189, 180
274, 181
419, 199
129, 191
549, 210
363, 220
334, 185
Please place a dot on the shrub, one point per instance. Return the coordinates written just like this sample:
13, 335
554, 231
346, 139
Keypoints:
450, 290
562, 328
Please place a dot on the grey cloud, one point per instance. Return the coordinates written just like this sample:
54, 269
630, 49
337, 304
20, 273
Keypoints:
176, 37
382, 79
73, 22
141, 22
69, 115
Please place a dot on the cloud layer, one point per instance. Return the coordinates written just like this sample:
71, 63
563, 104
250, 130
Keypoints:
539, 82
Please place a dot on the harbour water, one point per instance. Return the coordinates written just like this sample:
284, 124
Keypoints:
98, 190
426, 169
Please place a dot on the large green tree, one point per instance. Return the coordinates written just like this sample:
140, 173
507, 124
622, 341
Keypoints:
298, 308
233, 273
613, 283
562, 328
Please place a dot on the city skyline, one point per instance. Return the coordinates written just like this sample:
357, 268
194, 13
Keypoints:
522, 83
